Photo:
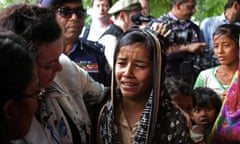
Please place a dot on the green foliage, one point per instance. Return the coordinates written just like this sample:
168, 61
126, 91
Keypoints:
86, 3
204, 8
4, 3
159, 7
208, 8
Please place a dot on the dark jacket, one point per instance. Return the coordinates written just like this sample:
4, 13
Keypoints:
89, 56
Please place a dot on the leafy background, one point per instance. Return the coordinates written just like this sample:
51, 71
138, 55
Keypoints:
205, 8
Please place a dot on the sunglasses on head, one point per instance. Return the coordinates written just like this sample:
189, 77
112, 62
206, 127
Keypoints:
66, 12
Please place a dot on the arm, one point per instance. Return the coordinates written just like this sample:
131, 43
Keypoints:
191, 48
196, 47
79, 83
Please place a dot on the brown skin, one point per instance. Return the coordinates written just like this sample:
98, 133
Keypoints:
185, 103
134, 77
233, 13
71, 27
184, 11
204, 116
227, 54
18, 115
48, 61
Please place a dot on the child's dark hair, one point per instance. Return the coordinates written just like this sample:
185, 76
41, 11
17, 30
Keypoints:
177, 87
204, 96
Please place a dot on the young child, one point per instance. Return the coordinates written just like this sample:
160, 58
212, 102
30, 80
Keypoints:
206, 106
181, 94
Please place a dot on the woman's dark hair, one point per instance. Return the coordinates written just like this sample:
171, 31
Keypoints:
204, 96
35, 24
133, 36
16, 66
146, 37
231, 30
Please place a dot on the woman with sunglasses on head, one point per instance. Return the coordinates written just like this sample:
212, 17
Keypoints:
19, 86
140, 110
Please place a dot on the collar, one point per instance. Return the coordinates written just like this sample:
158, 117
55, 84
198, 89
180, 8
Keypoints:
171, 15
223, 18
77, 44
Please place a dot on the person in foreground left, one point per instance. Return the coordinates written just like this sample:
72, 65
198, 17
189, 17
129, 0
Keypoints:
62, 116
19, 86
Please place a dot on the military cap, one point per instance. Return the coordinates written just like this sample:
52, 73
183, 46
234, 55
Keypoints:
125, 5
